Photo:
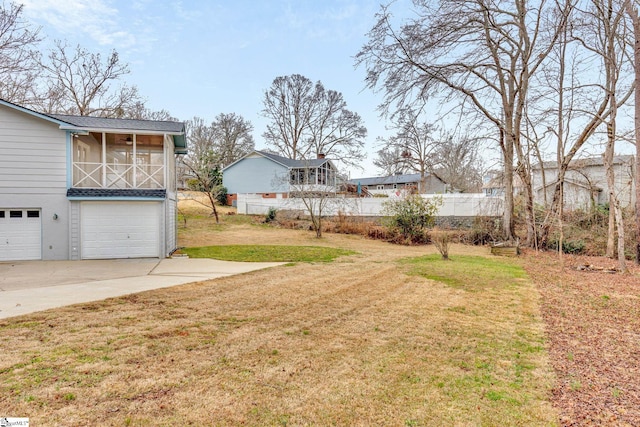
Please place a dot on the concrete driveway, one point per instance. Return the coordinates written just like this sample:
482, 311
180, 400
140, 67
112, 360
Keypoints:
30, 286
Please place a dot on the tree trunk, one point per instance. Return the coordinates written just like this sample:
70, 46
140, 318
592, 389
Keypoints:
507, 219
213, 206
611, 231
608, 166
561, 227
635, 19
636, 63
614, 204
530, 215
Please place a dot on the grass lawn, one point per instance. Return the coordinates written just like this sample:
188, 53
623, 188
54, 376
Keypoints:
386, 336
267, 253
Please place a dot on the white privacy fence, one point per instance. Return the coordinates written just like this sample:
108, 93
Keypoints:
455, 205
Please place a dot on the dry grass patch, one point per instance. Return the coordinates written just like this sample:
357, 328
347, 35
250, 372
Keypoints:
359, 341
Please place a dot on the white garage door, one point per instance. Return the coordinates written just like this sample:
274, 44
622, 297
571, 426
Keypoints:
20, 234
120, 230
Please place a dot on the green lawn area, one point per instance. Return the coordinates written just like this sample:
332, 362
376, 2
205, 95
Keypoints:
268, 253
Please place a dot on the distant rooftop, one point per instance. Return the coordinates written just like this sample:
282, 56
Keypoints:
291, 163
388, 180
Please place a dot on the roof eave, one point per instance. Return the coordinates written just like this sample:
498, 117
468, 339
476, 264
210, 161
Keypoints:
67, 126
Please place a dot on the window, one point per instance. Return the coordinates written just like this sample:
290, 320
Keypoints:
395, 186
33, 214
1, 214
380, 187
15, 214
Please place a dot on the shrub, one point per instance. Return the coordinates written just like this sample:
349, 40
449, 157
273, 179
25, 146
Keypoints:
442, 239
409, 217
484, 230
271, 215
221, 194
568, 246
194, 184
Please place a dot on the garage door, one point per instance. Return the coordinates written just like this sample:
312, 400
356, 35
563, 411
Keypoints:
20, 234
120, 230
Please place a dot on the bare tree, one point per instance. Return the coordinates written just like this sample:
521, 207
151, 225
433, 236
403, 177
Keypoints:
335, 131
232, 138
139, 111
307, 120
390, 160
416, 143
594, 39
213, 146
315, 186
613, 47
18, 64
80, 82
458, 164
202, 161
289, 104
483, 53
632, 12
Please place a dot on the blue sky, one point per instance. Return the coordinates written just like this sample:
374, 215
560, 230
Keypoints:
202, 58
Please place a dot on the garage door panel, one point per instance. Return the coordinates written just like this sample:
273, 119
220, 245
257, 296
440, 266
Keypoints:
20, 234
120, 230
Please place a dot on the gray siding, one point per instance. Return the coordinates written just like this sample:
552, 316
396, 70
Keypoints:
33, 164
435, 185
74, 224
255, 174
33, 155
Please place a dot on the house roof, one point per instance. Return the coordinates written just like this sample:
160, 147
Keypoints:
176, 129
497, 181
285, 161
86, 123
587, 161
390, 180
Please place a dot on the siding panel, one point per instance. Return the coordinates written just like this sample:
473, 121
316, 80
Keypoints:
33, 153
255, 175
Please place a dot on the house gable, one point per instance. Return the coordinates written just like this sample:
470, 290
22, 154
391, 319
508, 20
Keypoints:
33, 153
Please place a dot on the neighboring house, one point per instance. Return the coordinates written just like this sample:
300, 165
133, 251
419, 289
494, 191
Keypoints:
77, 187
183, 174
273, 176
585, 182
493, 184
395, 184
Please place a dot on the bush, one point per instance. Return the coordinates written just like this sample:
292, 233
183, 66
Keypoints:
221, 194
194, 184
484, 230
574, 247
409, 217
271, 215
442, 239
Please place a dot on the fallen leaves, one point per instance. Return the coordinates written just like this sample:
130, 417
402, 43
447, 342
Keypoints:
593, 321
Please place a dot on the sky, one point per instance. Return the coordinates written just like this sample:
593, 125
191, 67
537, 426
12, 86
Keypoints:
202, 58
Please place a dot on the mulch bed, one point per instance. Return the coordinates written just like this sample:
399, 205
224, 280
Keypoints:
592, 318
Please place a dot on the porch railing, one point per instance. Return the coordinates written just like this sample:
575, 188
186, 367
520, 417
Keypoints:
117, 175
